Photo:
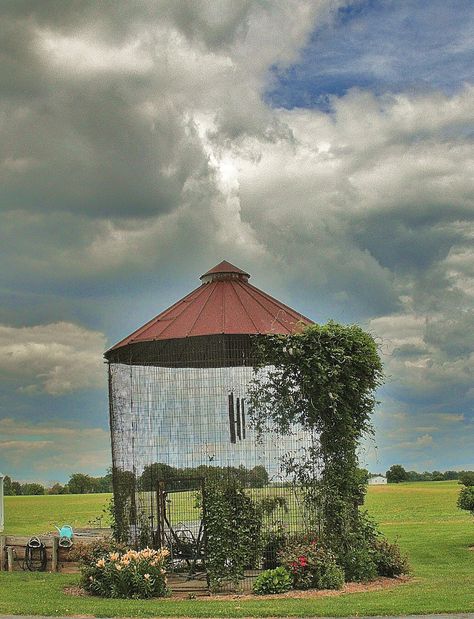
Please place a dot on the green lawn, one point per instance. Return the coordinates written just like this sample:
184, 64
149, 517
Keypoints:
32, 515
422, 516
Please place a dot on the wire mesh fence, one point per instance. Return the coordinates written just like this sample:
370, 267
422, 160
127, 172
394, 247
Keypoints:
180, 426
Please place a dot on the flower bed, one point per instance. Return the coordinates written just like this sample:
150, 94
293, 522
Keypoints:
132, 574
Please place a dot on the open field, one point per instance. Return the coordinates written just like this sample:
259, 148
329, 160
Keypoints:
422, 516
31, 515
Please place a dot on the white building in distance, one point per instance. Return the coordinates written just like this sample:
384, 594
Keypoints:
378, 480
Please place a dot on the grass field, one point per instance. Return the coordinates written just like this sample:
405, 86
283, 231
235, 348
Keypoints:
422, 516
32, 515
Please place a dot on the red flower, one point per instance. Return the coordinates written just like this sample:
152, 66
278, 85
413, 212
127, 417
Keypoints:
303, 561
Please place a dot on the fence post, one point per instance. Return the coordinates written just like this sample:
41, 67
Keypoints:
10, 558
2, 552
2, 504
54, 555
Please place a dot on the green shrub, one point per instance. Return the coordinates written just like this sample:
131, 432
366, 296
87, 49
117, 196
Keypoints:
132, 574
312, 566
233, 532
357, 555
467, 479
332, 577
273, 544
278, 580
369, 554
389, 559
86, 553
359, 564
466, 499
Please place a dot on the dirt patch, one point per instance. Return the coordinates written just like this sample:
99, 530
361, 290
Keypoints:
78, 592
350, 587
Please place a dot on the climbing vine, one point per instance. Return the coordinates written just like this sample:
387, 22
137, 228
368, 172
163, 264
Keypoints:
233, 529
321, 380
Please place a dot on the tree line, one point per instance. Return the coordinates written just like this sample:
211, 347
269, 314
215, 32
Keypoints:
79, 483
256, 477
397, 474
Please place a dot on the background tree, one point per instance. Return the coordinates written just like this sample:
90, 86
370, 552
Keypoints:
80, 483
58, 488
104, 484
32, 489
16, 488
155, 472
7, 486
396, 474
257, 477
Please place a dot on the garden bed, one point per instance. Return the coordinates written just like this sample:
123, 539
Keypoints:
197, 589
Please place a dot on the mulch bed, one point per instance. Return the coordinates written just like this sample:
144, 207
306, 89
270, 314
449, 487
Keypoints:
350, 587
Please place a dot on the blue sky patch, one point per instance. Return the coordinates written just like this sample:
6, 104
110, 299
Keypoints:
387, 46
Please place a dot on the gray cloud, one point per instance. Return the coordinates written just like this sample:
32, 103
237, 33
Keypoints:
54, 358
137, 149
63, 449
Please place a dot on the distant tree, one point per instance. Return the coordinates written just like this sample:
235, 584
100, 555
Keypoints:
104, 484
257, 477
7, 486
32, 489
451, 475
58, 488
16, 488
155, 472
437, 476
396, 473
467, 478
80, 483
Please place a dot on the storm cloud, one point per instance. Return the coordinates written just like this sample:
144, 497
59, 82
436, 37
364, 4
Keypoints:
143, 142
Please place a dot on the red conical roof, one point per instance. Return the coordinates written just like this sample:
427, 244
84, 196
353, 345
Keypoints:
226, 268
225, 303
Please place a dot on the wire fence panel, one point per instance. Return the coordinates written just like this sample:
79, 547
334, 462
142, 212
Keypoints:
180, 422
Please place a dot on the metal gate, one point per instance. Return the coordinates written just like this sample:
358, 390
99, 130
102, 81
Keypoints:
180, 525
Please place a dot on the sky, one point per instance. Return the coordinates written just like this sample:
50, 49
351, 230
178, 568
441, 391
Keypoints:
324, 147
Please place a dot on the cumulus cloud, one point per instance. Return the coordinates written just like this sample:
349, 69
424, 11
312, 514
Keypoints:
34, 450
55, 358
139, 138
149, 135
419, 438
429, 356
